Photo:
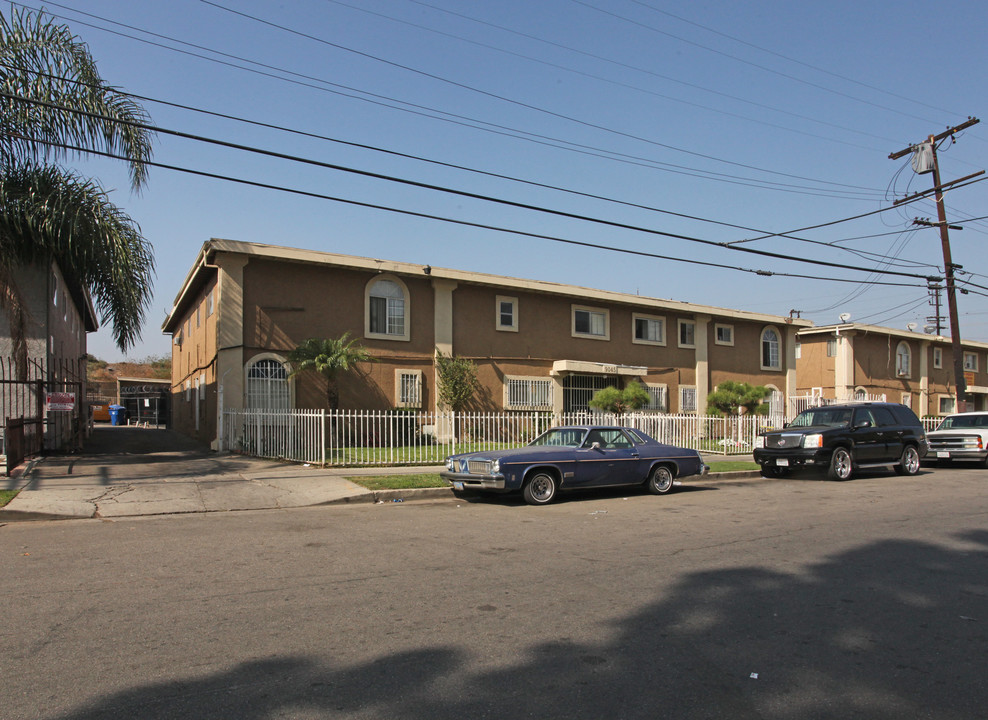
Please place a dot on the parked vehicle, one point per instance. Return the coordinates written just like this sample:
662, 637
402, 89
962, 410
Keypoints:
841, 439
963, 436
572, 458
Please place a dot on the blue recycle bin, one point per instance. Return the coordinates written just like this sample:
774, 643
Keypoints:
118, 413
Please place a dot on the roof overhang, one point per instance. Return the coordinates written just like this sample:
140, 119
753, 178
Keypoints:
580, 294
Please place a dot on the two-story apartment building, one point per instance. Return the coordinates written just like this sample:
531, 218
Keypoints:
536, 345
854, 360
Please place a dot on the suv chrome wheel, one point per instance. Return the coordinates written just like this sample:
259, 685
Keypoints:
841, 465
909, 462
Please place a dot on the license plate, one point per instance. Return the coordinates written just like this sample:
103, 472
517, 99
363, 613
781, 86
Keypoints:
943, 454
782, 462
457, 485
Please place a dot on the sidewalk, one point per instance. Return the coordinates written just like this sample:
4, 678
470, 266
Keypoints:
127, 472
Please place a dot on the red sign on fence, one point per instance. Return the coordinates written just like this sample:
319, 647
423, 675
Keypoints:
59, 401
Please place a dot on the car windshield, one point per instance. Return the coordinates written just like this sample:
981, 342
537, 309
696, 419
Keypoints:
963, 421
564, 437
822, 417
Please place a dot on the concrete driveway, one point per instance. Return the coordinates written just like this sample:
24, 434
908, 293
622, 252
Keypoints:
127, 471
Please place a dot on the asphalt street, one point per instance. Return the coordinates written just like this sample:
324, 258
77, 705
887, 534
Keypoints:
776, 599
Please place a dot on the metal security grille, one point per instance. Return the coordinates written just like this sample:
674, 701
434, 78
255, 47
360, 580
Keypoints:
529, 394
579, 389
267, 386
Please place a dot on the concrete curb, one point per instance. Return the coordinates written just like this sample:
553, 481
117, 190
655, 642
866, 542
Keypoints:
67, 508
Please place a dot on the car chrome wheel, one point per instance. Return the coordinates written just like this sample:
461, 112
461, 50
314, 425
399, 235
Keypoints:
660, 481
841, 465
909, 462
540, 490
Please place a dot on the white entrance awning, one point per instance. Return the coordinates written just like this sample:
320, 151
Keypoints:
564, 367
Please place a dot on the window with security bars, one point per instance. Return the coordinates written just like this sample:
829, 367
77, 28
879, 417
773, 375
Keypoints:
659, 401
687, 399
267, 386
528, 394
409, 389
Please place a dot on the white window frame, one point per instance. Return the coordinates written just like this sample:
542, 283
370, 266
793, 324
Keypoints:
778, 349
903, 360
498, 313
730, 333
951, 404
391, 310
534, 387
798, 349
973, 357
679, 333
938, 358
831, 347
907, 400
603, 313
660, 322
687, 398
414, 380
209, 303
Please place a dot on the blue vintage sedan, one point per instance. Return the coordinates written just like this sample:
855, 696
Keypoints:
574, 458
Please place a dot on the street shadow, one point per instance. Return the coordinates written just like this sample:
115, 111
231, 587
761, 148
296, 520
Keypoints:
889, 630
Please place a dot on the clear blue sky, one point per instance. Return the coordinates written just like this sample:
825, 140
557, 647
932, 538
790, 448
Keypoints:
772, 116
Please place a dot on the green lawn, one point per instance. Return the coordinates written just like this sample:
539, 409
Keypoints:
399, 482
7, 495
432, 480
732, 465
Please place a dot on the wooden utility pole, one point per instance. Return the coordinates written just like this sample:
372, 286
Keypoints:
948, 264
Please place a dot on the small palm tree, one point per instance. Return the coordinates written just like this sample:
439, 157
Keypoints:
328, 357
54, 105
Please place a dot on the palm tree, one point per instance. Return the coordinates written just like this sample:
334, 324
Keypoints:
329, 357
54, 105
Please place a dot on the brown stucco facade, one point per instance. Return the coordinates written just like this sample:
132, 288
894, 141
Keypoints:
536, 345
848, 360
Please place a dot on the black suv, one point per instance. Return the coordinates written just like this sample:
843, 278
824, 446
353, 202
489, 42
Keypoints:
844, 438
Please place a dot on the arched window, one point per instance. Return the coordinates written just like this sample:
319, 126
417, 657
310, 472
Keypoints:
903, 360
387, 309
771, 358
267, 385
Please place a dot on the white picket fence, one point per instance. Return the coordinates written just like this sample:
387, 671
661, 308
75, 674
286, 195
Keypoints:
363, 438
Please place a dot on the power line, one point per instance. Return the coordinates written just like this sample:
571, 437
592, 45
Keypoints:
860, 253
465, 223
463, 193
746, 62
519, 103
618, 63
786, 57
453, 118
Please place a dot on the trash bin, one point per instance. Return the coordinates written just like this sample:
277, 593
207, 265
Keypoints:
118, 414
